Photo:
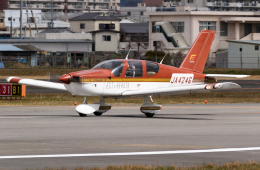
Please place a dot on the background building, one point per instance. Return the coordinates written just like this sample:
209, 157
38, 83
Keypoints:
173, 30
240, 54
93, 22
153, 3
136, 13
67, 6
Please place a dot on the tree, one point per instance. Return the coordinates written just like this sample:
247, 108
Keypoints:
177, 58
174, 59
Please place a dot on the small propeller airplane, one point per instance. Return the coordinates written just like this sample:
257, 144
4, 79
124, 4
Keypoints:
123, 78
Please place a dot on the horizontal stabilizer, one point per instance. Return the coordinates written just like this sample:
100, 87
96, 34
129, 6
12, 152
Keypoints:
227, 75
37, 83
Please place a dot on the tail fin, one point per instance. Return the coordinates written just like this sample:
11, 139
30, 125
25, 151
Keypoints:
197, 56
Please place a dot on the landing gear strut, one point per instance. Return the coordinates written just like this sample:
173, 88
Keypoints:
102, 108
149, 109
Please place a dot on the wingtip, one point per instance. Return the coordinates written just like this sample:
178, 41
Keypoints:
13, 79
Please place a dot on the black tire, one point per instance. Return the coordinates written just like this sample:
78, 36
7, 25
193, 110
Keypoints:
149, 114
97, 113
82, 115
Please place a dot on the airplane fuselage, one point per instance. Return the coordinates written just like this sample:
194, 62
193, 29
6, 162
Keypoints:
103, 82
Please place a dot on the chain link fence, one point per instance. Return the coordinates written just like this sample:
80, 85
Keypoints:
55, 60
238, 60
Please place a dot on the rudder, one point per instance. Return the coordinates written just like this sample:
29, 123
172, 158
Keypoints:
197, 56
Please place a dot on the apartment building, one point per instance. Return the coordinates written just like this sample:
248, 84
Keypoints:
233, 5
169, 31
67, 6
216, 5
136, 13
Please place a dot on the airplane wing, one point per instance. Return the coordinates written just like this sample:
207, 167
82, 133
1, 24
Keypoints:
183, 89
227, 75
37, 83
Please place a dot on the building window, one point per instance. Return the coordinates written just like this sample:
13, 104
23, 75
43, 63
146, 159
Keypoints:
178, 26
256, 47
9, 19
190, 1
107, 26
106, 38
207, 25
141, 13
257, 28
82, 26
129, 13
1, 20
223, 29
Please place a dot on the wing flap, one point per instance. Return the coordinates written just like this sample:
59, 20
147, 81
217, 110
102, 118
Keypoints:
37, 83
227, 75
183, 89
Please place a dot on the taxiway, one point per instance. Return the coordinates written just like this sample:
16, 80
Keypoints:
39, 137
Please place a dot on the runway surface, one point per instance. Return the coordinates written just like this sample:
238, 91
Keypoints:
39, 137
247, 85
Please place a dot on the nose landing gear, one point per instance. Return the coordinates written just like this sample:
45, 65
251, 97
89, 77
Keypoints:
97, 108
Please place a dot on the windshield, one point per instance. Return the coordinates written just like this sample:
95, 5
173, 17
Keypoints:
114, 65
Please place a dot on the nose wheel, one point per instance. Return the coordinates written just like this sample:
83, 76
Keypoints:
97, 108
82, 115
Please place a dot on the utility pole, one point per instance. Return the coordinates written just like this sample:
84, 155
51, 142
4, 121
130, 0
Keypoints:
21, 18
11, 31
52, 24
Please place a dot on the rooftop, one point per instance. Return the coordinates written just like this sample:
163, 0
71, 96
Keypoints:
133, 28
57, 30
253, 42
206, 13
27, 48
42, 41
94, 16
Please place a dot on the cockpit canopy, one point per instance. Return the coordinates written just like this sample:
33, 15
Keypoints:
116, 66
134, 67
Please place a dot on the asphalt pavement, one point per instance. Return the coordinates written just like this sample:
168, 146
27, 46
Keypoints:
56, 137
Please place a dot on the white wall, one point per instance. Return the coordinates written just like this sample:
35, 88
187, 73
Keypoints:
101, 45
16, 16
250, 56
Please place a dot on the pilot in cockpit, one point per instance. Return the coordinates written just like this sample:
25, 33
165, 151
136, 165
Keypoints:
130, 72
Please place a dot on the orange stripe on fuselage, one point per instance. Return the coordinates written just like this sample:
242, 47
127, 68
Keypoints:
133, 80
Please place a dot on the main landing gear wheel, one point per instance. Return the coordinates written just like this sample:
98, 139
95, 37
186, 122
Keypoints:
149, 114
97, 113
82, 115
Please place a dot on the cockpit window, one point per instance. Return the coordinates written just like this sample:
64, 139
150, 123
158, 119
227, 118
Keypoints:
151, 68
114, 65
134, 69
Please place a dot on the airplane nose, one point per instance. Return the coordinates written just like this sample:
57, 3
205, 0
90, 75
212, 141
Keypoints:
65, 78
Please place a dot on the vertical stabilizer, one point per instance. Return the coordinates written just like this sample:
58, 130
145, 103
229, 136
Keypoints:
197, 56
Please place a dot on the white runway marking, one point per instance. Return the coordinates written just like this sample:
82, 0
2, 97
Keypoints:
133, 153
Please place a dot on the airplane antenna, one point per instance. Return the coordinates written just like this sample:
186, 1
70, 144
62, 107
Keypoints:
163, 58
128, 54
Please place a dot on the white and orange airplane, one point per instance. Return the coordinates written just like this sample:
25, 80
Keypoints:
123, 78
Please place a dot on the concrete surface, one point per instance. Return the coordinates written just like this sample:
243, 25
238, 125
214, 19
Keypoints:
59, 130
